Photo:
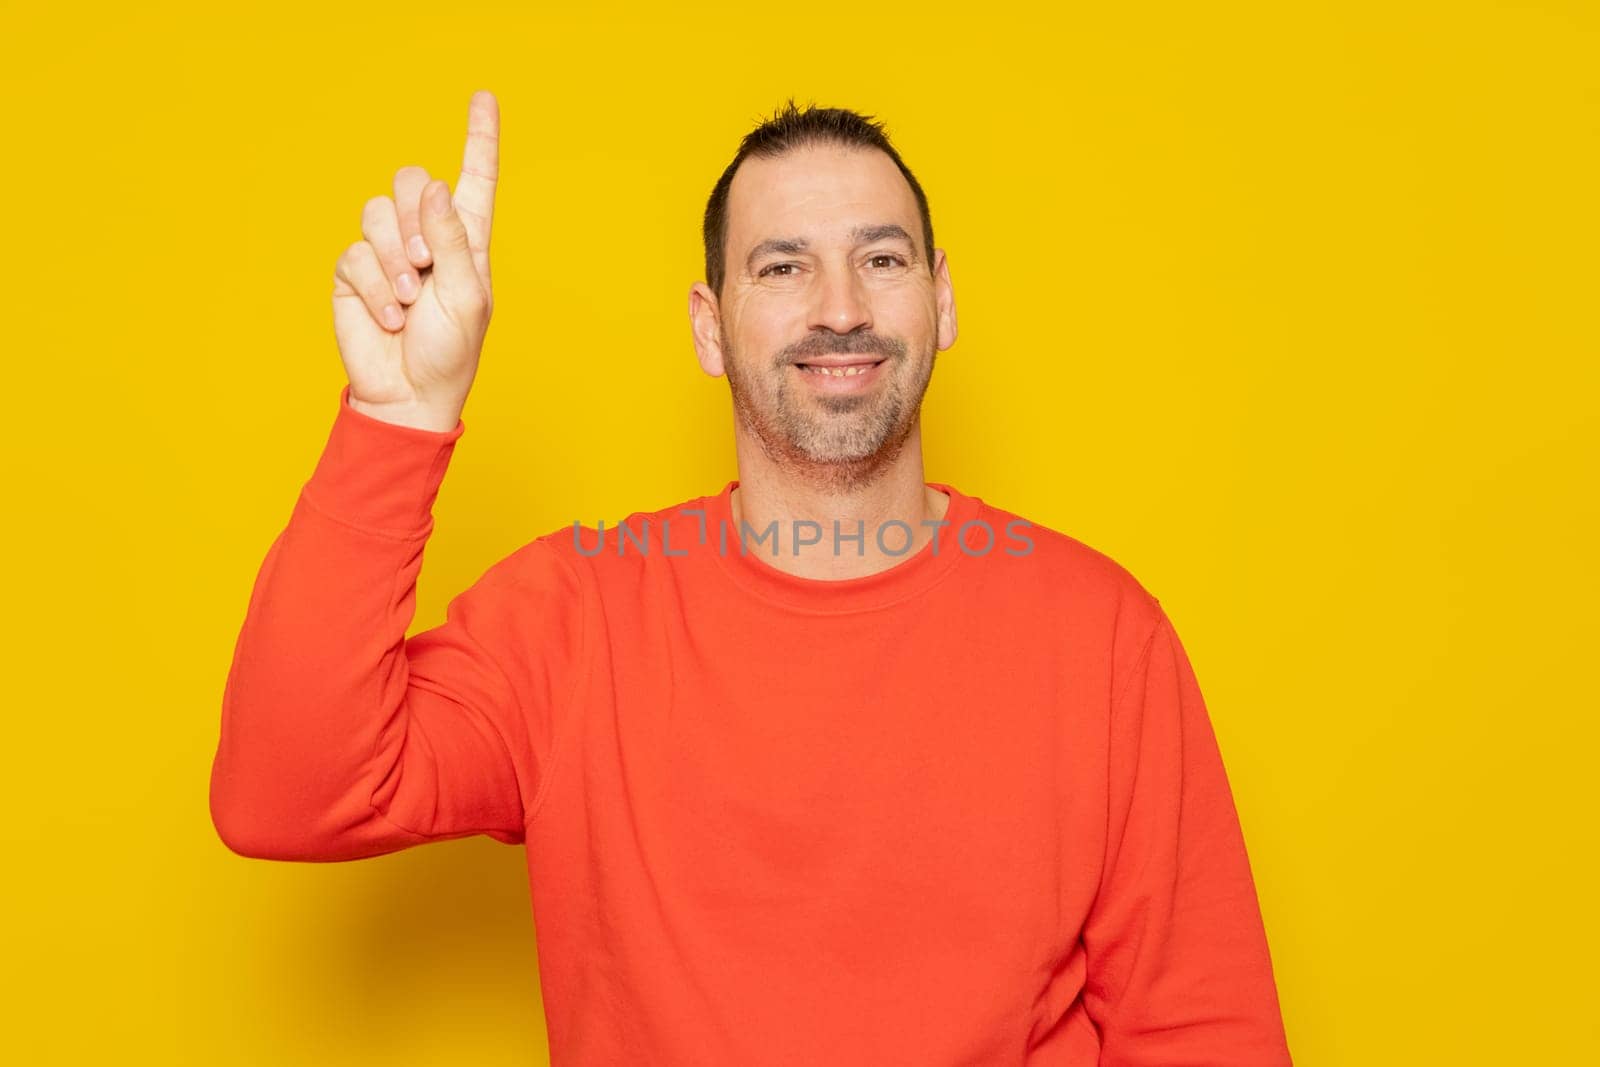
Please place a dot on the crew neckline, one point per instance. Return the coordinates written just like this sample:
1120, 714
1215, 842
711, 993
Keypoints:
912, 575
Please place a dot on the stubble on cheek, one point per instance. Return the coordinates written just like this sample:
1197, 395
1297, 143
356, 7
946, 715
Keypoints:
835, 438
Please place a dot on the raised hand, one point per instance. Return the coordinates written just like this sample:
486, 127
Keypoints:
412, 299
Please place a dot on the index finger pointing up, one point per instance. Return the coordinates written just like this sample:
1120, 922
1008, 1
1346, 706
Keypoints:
480, 168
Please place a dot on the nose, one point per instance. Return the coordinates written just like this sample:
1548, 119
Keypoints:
840, 302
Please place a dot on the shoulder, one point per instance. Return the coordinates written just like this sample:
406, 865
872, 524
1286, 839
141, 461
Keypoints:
630, 545
1080, 584
535, 573
1063, 559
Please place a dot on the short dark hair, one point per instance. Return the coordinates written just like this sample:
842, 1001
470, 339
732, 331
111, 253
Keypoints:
790, 128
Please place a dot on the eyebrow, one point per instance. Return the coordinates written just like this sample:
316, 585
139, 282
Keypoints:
790, 246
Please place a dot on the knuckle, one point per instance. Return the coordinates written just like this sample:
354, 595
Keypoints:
359, 256
374, 215
366, 277
347, 259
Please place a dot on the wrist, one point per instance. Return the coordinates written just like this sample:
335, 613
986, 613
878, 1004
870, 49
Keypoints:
431, 418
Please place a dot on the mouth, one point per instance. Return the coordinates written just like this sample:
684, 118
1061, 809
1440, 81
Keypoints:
841, 368
841, 375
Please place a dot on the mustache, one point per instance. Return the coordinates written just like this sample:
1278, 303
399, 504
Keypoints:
846, 344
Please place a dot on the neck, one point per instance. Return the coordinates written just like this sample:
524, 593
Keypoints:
861, 499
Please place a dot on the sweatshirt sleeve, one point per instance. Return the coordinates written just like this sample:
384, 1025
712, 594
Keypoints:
341, 738
1179, 973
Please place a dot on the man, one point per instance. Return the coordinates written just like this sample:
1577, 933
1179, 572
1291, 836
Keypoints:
834, 766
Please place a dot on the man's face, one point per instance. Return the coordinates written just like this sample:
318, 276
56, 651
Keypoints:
829, 318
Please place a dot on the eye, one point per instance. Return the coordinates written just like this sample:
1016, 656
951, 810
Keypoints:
765, 271
886, 255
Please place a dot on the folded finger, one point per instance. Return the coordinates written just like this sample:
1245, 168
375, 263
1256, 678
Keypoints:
408, 185
381, 227
360, 272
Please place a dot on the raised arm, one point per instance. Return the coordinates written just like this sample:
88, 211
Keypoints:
339, 737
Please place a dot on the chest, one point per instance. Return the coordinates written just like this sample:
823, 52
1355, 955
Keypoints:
930, 767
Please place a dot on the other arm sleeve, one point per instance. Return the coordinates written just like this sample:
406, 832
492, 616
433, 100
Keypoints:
1179, 973
340, 738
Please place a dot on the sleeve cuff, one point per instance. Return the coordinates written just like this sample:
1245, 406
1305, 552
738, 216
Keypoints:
380, 476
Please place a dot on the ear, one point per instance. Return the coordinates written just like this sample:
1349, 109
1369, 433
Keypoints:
705, 320
945, 297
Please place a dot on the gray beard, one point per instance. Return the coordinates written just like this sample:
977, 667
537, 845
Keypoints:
836, 444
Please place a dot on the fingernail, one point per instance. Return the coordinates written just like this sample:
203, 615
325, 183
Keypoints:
418, 247
392, 317
441, 200
405, 287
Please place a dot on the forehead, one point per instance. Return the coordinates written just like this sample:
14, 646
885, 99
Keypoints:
817, 191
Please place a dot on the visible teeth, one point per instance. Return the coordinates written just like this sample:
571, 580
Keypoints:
840, 372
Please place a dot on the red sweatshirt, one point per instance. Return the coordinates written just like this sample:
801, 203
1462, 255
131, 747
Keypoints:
968, 810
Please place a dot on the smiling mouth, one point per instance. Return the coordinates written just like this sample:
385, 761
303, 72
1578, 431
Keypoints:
846, 371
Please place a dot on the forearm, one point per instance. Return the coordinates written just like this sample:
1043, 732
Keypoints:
315, 697
313, 761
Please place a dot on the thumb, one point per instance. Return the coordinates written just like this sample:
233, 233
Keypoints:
442, 229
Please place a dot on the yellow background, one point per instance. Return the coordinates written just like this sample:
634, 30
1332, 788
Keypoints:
1289, 308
